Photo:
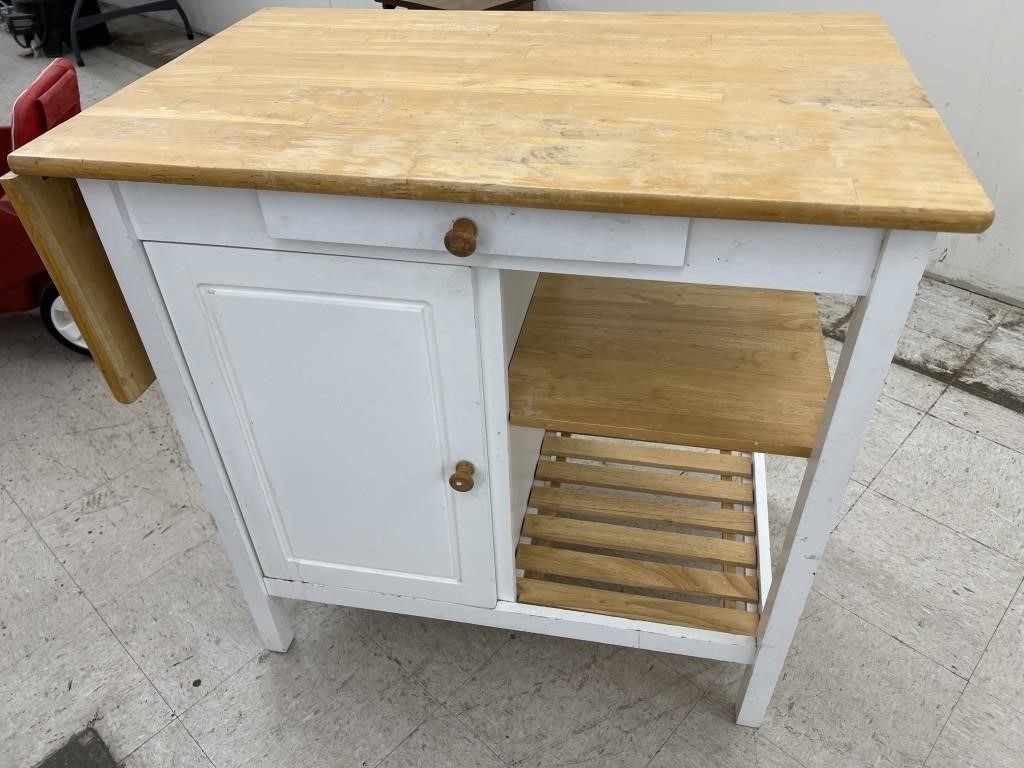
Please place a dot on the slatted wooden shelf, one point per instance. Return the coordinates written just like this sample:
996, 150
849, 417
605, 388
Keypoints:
640, 607
738, 369
629, 480
640, 540
652, 543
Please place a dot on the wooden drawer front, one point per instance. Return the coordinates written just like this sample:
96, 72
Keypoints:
501, 231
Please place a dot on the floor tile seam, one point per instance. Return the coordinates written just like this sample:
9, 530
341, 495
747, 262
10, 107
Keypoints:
405, 674
64, 507
947, 381
970, 431
26, 521
700, 699
442, 708
1014, 558
480, 667
881, 469
105, 623
138, 582
108, 480
892, 636
1017, 593
127, 757
196, 742
407, 736
478, 736
180, 715
96, 610
781, 749
844, 515
630, 701
942, 730
974, 353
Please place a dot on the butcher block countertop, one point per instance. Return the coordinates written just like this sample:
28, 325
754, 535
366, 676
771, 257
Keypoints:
800, 117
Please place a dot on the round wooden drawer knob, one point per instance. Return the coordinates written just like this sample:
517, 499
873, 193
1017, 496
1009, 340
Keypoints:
461, 238
462, 479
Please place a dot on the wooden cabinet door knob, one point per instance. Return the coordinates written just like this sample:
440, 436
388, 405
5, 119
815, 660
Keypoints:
462, 479
461, 238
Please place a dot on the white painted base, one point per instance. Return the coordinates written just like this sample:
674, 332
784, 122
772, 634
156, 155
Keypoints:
538, 619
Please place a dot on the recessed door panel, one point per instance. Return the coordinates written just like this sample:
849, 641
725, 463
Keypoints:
342, 393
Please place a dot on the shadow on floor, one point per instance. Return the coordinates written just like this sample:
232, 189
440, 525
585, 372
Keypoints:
83, 750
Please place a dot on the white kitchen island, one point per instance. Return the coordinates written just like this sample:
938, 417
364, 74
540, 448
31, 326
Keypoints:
492, 317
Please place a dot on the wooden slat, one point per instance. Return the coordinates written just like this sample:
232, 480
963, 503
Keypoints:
777, 118
636, 573
731, 603
663, 456
59, 225
549, 512
649, 510
627, 539
642, 608
650, 482
738, 369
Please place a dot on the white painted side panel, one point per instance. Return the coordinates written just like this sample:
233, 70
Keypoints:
501, 231
524, 451
762, 526
342, 393
491, 330
135, 278
516, 293
502, 301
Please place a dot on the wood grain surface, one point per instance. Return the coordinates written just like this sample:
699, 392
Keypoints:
801, 117
646, 455
639, 607
650, 542
58, 222
636, 573
739, 369
666, 484
605, 505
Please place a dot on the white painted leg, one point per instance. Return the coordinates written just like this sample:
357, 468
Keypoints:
130, 265
874, 330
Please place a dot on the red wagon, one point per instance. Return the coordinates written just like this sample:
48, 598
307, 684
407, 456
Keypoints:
24, 283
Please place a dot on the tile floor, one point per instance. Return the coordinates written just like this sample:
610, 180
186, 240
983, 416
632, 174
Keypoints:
118, 608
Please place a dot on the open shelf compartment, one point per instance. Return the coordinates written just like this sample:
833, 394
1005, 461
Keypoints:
648, 532
738, 369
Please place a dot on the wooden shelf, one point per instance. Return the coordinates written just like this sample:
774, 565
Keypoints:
632, 553
733, 368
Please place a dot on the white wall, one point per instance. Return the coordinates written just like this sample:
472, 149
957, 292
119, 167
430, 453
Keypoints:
209, 16
968, 56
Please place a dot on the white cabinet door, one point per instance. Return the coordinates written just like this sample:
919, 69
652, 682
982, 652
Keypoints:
342, 392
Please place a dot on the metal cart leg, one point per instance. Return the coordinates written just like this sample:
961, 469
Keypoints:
78, 23
73, 33
875, 329
189, 35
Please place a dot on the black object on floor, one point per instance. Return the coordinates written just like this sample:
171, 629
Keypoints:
50, 22
82, 20
83, 750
